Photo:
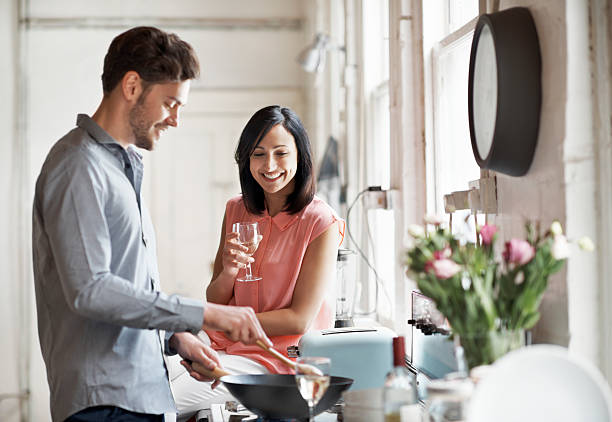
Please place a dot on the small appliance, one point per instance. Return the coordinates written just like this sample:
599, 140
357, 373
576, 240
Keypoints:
345, 288
364, 354
432, 354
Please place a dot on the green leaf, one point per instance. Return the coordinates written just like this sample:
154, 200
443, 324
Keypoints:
530, 320
556, 266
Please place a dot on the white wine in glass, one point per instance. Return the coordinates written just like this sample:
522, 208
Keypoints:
248, 235
312, 383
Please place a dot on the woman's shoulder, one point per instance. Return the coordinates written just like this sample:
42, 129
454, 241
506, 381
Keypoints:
234, 204
235, 200
320, 217
319, 208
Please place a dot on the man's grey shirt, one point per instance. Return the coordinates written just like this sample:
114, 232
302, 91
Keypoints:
97, 282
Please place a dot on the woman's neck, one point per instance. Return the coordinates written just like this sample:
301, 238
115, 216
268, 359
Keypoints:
275, 204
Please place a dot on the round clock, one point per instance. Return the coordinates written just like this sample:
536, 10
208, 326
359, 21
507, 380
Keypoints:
504, 91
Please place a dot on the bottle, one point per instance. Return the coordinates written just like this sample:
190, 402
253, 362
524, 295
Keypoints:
447, 399
399, 389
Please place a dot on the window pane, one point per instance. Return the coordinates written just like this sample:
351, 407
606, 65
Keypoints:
376, 227
453, 161
381, 221
461, 12
375, 43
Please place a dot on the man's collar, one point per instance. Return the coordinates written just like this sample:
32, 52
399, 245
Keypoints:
100, 135
96, 132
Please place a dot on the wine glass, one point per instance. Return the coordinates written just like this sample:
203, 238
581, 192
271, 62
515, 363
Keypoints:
248, 235
312, 378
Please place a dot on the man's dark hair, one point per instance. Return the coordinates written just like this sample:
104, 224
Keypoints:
157, 56
254, 131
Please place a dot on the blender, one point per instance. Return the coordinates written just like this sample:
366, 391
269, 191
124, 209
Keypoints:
345, 288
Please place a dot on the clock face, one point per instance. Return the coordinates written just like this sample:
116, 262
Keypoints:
504, 91
484, 94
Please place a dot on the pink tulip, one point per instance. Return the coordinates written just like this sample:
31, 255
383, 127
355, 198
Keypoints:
487, 232
443, 268
518, 252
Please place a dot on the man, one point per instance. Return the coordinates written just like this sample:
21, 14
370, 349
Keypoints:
95, 267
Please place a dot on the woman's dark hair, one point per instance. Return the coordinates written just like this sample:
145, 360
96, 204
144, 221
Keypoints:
254, 131
157, 56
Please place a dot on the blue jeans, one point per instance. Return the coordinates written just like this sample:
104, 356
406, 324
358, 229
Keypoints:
112, 414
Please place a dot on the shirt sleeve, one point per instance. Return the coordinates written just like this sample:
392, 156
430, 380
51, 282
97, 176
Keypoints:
72, 206
323, 217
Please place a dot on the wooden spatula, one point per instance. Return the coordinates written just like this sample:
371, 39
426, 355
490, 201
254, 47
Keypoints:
306, 369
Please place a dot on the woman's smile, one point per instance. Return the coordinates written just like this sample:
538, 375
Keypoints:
273, 176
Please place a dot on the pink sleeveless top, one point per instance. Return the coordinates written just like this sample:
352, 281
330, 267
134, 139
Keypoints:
278, 260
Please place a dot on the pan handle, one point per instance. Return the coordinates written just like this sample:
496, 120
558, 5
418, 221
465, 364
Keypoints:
215, 373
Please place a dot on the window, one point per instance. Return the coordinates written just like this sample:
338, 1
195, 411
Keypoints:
448, 27
447, 38
374, 228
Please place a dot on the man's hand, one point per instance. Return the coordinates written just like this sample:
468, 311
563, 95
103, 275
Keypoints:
192, 349
238, 322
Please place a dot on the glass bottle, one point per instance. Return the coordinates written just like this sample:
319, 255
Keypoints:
447, 400
399, 390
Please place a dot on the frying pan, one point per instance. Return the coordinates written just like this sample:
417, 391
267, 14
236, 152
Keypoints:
276, 396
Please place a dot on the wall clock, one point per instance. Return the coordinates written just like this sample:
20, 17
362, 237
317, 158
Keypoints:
504, 91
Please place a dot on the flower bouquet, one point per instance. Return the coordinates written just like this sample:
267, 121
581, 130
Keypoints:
487, 302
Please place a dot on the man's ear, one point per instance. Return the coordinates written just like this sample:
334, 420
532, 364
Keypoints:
131, 85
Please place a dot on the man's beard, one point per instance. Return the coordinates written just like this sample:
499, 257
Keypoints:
140, 126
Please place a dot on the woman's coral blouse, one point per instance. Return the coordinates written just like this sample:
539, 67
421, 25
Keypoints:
278, 260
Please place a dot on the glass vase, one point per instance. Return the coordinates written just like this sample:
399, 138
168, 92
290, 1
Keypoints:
475, 349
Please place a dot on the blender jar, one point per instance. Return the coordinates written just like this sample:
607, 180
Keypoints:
345, 287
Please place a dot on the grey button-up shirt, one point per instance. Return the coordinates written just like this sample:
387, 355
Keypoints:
97, 282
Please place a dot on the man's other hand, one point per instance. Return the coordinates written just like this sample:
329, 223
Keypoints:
192, 349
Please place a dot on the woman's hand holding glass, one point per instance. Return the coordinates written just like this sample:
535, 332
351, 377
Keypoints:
234, 255
241, 244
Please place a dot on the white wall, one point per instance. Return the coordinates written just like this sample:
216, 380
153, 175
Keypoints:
588, 162
11, 286
563, 182
540, 194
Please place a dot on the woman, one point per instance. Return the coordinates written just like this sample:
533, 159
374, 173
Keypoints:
295, 258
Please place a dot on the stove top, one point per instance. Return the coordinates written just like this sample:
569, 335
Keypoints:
220, 413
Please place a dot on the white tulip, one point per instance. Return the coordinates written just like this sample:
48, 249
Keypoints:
520, 277
416, 231
556, 228
560, 248
586, 244
434, 219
